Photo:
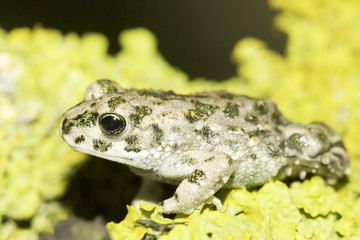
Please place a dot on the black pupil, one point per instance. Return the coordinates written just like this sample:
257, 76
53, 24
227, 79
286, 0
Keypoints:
111, 123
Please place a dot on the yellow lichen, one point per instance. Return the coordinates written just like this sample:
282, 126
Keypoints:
127, 230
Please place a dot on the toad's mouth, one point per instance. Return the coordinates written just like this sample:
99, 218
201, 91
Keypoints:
102, 155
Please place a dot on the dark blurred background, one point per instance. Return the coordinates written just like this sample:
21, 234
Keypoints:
196, 36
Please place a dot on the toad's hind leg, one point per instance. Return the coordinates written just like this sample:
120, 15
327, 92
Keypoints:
198, 188
333, 165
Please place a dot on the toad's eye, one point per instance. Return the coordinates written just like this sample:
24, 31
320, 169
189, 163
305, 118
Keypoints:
112, 123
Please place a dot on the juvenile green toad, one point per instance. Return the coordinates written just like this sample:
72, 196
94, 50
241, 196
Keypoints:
200, 142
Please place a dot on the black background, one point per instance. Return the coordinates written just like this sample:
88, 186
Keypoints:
195, 35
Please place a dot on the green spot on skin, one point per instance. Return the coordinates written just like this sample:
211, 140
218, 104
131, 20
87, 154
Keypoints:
79, 139
158, 133
205, 132
236, 129
158, 103
107, 86
131, 140
132, 146
297, 141
197, 176
231, 110
200, 111
233, 144
259, 133
85, 119
132, 149
193, 116
187, 160
115, 101
251, 118
209, 159
101, 145
141, 112
225, 95
163, 95
261, 107
277, 118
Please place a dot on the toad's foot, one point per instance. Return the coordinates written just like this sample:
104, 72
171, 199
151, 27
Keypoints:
199, 187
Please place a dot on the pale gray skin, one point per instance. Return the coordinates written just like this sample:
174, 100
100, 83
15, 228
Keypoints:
201, 142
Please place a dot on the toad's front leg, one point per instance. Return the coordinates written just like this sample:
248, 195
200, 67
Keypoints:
210, 174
